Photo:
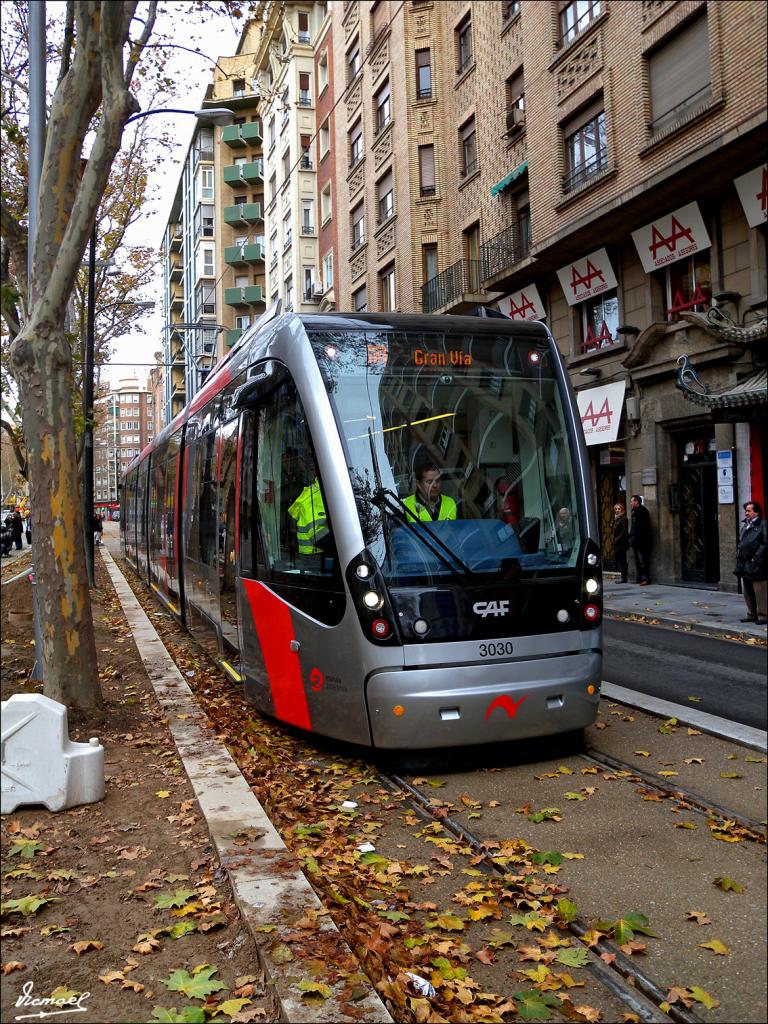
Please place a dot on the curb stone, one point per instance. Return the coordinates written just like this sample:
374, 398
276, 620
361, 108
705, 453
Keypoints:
682, 625
268, 888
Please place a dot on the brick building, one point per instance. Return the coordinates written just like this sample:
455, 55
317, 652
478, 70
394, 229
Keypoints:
599, 165
124, 424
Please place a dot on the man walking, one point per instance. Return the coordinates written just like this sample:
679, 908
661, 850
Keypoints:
640, 540
752, 562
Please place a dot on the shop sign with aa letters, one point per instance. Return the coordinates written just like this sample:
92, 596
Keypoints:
752, 188
600, 412
525, 304
587, 277
671, 238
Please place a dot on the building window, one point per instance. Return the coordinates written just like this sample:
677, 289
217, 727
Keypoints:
354, 63
204, 145
287, 230
238, 87
305, 161
599, 320
515, 90
383, 107
307, 217
309, 283
472, 254
379, 22
241, 281
289, 292
241, 322
206, 181
360, 300
357, 219
286, 165
523, 221
385, 197
303, 27
427, 170
468, 142
687, 285
387, 295
305, 97
328, 271
356, 144
678, 74
509, 10
575, 16
464, 51
428, 262
322, 71
205, 299
586, 146
326, 203
325, 138
271, 132
423, 74
208, 270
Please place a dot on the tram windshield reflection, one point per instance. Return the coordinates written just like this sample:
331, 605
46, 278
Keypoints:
483, 413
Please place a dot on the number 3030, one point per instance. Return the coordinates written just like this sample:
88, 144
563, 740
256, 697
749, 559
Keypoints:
496, 650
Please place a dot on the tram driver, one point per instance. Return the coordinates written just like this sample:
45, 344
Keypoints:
428, 503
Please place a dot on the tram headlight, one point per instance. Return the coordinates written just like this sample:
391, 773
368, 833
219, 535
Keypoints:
592, 586
592, 559
362, 572
372, 600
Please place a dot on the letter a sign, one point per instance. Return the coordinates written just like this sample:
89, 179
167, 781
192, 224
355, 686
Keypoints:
587, 277
753, 193
600, 412
671, 238
525, 304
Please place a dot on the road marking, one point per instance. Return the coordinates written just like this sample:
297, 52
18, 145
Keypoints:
743, 734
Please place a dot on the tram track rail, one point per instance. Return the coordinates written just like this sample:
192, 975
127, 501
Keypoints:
621, 977
754, 829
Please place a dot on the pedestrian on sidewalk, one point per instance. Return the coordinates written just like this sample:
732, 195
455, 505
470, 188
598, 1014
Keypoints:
17, 529
752, 562
640, 540
621, 539
98, 528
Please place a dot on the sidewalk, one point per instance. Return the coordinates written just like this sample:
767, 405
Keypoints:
710, 612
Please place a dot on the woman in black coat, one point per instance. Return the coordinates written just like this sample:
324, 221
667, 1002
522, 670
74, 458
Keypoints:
752, 562
620, 539
17, 529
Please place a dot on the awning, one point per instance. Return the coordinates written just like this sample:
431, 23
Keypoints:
507, 180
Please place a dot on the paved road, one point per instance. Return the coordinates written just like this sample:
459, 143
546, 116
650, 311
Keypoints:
730, 678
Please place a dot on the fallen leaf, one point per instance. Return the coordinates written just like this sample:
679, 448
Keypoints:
162, 794
698, 916
728, 884
716, 946
13, 965
85, 946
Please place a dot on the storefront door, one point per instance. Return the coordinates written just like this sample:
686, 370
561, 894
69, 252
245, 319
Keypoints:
699, 539
610, 489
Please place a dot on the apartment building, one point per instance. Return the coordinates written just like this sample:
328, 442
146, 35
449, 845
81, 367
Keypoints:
599, 165
124, 423
289, 88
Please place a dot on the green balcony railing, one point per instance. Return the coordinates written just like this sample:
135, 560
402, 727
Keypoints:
237, 175
238, 135
249, 295
243, 213
233, 336
242, 255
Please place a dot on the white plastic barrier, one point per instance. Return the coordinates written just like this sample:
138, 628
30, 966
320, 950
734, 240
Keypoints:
40, 764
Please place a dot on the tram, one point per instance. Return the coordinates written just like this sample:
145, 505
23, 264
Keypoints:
381, 526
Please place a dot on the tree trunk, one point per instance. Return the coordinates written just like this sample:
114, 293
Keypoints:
43, 369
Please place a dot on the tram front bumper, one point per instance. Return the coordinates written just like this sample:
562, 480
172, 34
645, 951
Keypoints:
458, 705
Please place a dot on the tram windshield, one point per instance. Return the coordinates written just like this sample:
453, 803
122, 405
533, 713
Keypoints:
457, 449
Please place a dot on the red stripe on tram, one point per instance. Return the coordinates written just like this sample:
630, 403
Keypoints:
274, 628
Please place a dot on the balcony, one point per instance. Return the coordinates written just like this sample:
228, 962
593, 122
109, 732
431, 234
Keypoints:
176, 239
243, 255
307, 229
237, 175
233, 336
457, 288
250, 295
176, 273
306, 163
582, 172
502, 252
238, 135
313, 294
177, 301
243, 213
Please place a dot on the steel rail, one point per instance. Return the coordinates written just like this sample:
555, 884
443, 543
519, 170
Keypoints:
630, 980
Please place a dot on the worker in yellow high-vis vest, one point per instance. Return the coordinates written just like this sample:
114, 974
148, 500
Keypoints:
311, 522
428, 503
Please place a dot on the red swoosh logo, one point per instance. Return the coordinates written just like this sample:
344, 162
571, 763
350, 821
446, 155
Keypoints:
509, 705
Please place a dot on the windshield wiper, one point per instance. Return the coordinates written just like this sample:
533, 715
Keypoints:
389, 503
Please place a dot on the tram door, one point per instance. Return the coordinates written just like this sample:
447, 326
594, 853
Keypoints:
699, 539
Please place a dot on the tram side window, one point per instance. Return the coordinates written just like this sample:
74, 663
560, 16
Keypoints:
204, 532
296, 533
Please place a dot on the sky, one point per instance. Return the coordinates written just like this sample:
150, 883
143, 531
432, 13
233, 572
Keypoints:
192, 72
